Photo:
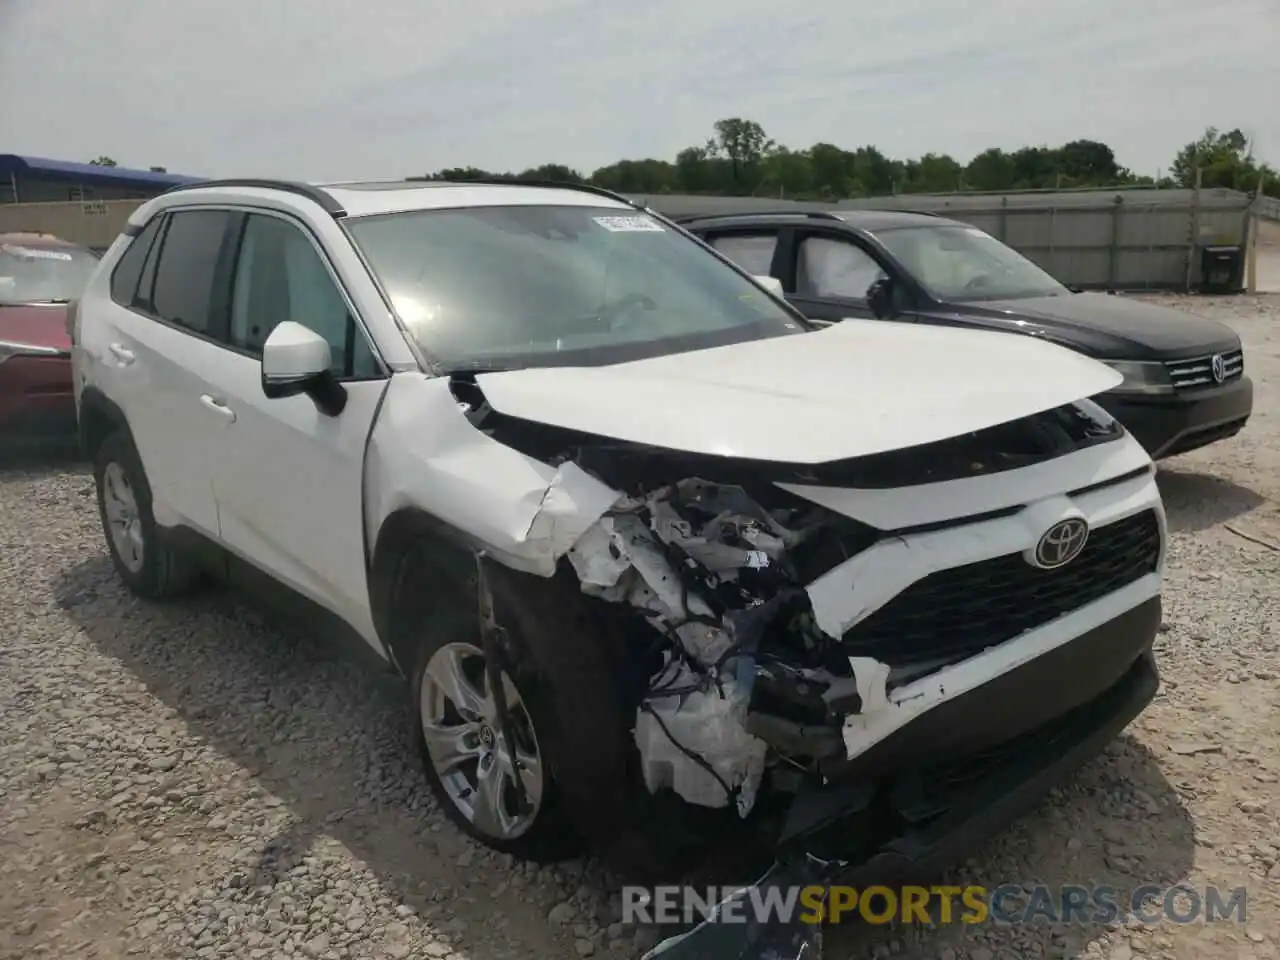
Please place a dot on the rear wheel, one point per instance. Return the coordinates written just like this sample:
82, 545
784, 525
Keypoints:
149, 566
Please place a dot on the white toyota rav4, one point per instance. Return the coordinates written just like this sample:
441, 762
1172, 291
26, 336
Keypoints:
669, 569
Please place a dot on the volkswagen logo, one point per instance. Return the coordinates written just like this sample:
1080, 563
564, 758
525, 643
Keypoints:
1218, 366
1062, 543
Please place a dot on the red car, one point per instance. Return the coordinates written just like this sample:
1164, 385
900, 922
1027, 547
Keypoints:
40, 276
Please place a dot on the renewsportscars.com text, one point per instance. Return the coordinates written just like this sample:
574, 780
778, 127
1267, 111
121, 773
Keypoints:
1008, 904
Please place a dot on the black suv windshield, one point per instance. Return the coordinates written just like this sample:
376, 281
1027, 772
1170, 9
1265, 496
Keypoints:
43, 273
543, 285
961, 263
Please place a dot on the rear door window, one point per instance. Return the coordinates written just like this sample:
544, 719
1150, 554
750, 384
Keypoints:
753, 252
186, 271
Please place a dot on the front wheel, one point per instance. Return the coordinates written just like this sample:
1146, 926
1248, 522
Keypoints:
493, 786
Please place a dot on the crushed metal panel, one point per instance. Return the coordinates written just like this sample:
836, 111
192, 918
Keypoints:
526, 513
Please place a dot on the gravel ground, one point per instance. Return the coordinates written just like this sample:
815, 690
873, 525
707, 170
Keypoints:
194, 780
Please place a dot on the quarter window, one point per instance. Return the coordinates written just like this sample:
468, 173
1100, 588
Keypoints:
280, 276
185, 274
128, 272
835, 268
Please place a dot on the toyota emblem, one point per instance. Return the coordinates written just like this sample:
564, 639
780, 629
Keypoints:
1061, 543
1218, 366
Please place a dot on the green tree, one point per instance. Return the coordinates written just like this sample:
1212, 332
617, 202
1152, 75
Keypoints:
1224, 159
932, 173
1089, 162
744, 144
555, 172
741, 160
637, 176
695, 171
993, 169
103, 162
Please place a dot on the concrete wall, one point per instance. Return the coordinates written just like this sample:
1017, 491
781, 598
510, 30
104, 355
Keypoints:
93, 224
1268, 208
1126, 240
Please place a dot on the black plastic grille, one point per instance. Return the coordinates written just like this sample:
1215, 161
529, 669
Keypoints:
953, 614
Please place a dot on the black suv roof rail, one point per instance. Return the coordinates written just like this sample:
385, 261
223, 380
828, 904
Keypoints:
310, 191
814, 214
551, 184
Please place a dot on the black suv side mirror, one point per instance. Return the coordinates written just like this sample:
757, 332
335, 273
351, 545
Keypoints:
880, 298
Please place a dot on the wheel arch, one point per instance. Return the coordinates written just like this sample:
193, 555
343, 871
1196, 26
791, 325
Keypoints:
99, 417
402, 533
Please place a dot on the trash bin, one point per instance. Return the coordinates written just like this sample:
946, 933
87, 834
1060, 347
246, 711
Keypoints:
1221, 269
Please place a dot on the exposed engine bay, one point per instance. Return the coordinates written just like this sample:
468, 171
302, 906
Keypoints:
710, 570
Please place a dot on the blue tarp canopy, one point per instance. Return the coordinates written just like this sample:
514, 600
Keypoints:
88, 173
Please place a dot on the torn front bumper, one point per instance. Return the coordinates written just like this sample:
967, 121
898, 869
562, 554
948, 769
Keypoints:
913, 826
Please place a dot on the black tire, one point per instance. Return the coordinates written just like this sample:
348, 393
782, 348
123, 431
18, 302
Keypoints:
436, 607
573, 667
164, 571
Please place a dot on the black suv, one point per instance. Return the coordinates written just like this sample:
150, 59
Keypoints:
1184, 383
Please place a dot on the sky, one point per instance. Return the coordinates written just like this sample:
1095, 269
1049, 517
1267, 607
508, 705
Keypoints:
336, 89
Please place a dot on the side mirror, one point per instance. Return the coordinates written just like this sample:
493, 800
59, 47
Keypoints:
880, 299
772, 284
295, 360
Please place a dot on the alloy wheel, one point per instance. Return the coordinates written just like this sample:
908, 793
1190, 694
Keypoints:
477, 764
123, 523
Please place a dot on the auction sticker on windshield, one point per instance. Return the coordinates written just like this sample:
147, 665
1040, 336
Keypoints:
629, 224
30, 254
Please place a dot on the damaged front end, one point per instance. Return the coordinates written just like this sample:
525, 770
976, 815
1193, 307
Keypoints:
777, 664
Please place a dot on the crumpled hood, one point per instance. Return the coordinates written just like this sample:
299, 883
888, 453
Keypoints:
856, 388
1117, 328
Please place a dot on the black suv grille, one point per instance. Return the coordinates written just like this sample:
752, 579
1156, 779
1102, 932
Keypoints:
953, 614
1198, 372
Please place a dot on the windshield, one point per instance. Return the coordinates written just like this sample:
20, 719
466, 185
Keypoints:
35, 273
960, 263
542, 285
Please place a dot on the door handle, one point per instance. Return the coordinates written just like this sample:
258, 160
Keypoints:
218, 407
123, 354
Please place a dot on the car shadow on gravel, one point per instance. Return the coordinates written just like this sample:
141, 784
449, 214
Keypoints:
1118, 823
1196, 501
326, 732
39, 458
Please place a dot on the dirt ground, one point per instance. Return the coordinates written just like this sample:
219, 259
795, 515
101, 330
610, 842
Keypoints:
192, 780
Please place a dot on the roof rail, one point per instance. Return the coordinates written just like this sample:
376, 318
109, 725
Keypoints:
550, 184
313, 193
815, 214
